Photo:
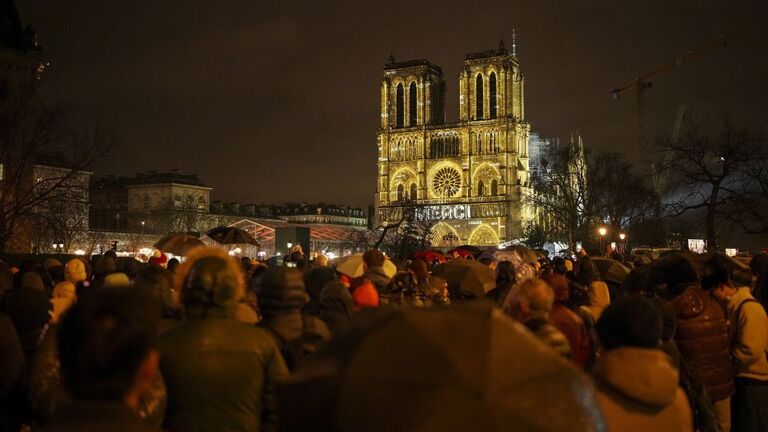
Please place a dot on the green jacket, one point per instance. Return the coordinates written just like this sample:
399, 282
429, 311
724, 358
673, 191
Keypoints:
220, 376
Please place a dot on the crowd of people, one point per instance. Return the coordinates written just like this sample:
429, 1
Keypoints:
204, 344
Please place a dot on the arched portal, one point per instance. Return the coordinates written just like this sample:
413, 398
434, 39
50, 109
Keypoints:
484, 235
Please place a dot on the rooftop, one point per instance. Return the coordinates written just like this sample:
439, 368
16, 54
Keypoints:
392, 64
150, 177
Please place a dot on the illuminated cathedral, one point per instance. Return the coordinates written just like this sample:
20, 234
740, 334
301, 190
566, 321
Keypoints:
467, 178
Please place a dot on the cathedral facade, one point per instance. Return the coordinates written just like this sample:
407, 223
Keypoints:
468, 179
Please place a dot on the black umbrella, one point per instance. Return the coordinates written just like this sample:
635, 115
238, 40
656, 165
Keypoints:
458, 368
611, 270
231, 235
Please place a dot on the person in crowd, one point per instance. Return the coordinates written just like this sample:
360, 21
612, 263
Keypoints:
599, 295
568, 322
489, 261
505, 280
578, 302
159, 259
315, 280
173, 264
282, 296
75, 277
29, 308
669, 322
403, 290
530, 302
11, 367
373, 263
749, 350
336, 305
701, 337
637, 385
320, 261
220, 373
759, 266
109, 360
434, 288
158, 284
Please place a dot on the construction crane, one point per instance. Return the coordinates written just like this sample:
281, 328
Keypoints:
643, 83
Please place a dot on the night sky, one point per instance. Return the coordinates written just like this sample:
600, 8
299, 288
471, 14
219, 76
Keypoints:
271, 101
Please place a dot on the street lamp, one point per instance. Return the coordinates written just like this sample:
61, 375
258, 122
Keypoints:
142, 227
622, 236
602, 231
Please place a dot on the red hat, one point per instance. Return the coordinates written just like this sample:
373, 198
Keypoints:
365, 296
158, 258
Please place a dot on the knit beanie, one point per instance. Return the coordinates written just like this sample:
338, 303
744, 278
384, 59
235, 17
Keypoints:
74, 271
365, 296
116, 280
631, 321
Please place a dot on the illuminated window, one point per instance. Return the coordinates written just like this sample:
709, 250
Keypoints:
413, 191
492, 94
479, 97
412, 99
400, 106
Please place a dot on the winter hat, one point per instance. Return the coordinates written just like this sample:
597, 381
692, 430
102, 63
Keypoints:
50, 263
116, 280
559, 285
365, 296
158, 259
568, 265
210, 280
74, 271
281, 290
32, 280
65, 289
632, 321
759, 263
316, 278
680, 272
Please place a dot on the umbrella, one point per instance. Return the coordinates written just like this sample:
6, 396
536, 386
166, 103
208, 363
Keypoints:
462, 253
526, 254
430, 256
353, 266
611, 270
231, 235
459, 368
466, 276
178, 244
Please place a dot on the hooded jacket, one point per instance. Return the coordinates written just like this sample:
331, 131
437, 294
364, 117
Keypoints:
568, 322
750, 329
638, 391
702, 339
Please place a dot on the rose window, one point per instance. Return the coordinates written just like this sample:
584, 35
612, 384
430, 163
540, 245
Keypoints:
446, 182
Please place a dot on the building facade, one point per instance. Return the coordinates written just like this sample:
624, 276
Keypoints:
468, 179
320, 213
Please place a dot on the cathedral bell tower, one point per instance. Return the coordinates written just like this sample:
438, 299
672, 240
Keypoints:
491, 86
412, 94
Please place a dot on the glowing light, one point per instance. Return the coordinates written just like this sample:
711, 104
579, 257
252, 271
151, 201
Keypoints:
622, 236
79, 252
602, 231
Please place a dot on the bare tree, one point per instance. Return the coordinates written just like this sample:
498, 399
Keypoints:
29, 132
707, 174
750, 209
562, 193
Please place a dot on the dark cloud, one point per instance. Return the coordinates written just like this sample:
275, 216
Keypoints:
272, 101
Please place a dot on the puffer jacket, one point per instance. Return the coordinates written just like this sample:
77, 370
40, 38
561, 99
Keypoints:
638, 391
220, 376
702, 339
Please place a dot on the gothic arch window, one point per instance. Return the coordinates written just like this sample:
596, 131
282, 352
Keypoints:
413, 192
494, 187
479, 97
444, 145
480, 188
400, 192
412, 99
400, 106
492, 94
